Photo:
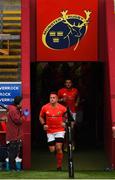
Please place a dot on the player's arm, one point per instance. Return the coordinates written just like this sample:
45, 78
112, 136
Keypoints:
77, 100
42, 119
64, 117
60, 99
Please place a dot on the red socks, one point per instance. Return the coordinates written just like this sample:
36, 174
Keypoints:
59, 157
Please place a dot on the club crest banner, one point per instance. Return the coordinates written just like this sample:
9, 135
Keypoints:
67, 30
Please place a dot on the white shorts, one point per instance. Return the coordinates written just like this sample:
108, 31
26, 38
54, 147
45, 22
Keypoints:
52, 136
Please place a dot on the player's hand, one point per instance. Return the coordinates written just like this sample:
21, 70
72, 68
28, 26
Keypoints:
76, 104
45, 127
63, 124
61, 100
64, 99
72, 124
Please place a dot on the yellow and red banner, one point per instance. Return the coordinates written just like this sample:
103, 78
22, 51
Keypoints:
67, 30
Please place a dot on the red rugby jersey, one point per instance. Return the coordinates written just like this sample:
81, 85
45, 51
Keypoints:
53, 116
70, 96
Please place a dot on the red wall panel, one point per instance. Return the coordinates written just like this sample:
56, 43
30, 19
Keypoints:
48, 11
110, 22
25, 77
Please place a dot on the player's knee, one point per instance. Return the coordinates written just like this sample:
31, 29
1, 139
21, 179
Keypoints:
58, 149
52, 149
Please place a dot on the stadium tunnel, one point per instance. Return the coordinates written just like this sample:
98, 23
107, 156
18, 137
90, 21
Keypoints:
88, 78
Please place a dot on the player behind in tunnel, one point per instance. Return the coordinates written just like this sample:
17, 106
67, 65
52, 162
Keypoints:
69, 97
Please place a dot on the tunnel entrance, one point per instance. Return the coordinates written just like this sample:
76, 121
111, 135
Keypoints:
88, 79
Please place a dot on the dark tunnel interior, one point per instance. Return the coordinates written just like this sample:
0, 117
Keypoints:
88, 78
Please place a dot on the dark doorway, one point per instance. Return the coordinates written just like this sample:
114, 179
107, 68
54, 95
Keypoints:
88, 78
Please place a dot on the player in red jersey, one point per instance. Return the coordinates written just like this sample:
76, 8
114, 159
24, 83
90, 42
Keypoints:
52, 118
69, 97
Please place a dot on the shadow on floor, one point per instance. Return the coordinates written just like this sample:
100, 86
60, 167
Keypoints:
84, 159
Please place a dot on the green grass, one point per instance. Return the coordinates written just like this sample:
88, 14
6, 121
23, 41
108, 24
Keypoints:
56, 175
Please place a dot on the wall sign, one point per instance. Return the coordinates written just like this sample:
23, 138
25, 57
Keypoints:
67, 30
8, 90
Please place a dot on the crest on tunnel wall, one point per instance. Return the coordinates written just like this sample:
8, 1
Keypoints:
66, 31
